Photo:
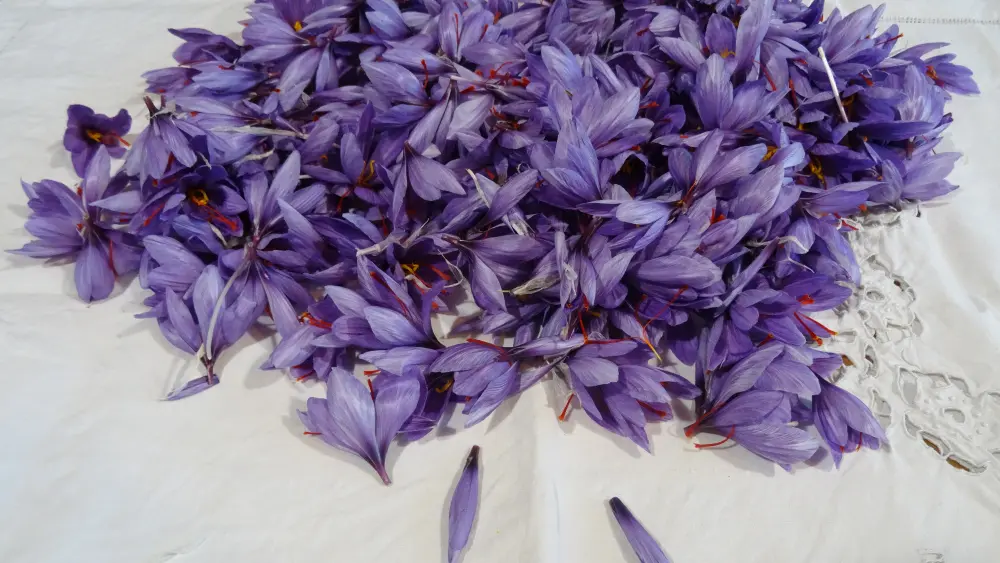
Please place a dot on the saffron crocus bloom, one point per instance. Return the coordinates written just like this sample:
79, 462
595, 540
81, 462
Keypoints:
362, 421
644, 545
464, 503
74, 224
87, 131
844, 422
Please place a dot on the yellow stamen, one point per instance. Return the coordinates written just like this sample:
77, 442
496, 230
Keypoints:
95, 136
198, 197
297, 26
816, 168
726, 53
770, 152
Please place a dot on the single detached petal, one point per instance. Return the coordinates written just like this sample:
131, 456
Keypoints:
646, 548
464, 504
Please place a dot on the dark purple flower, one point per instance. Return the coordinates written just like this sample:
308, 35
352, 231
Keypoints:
87, 131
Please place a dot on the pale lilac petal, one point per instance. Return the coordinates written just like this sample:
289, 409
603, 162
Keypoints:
94, 279
393, 328
593, 371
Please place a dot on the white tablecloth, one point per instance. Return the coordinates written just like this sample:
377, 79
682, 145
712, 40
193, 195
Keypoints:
93, 467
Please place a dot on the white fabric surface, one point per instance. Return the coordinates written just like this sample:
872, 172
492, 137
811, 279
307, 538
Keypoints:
93, 467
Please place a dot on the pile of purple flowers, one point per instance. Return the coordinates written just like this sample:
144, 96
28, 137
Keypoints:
616, 185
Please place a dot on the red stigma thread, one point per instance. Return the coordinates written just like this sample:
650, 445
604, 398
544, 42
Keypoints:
690, 430
565, 411
153, 214
732, 431
652, 409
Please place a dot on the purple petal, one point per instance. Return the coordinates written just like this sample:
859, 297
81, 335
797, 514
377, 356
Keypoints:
464, 504
393, 328
429, 176
486, 289
395, 402
472, 382
93, 275
297, 75
744, 374
399, 360
593, 371
676, 270
779, 443
497, 390
352, 418
681, 52
184, 325
465, 356
645, 547
194, 387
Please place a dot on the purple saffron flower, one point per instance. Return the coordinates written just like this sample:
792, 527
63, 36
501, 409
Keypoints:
646, 548
464, 503
160, 146
75, 224
87, 131
844, 422
362, 421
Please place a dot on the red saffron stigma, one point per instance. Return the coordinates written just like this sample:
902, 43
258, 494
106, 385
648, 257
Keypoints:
487, 344
381, 282
586, 337
312, 433
656, 411
806, 299
667, 306
440, 274
372, 371
812, 335
427, 73
690, 430
770, 81
884, 41
305, 377
820, 325
767, 339
467, 90
111, 257
642, 32
732, 431
153, 214
371, 389
565, 411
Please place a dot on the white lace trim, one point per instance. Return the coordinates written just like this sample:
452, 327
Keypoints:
879, 335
